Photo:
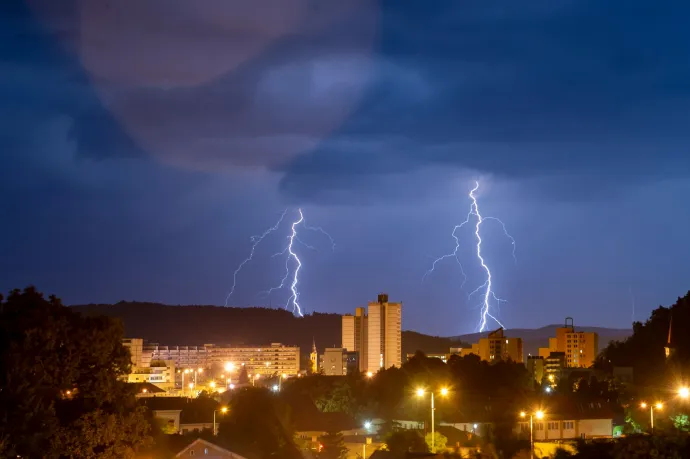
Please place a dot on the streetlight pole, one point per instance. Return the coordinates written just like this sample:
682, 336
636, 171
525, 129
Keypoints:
539, 415
433, 436
222, 410
420, 393
531, 435
658, 406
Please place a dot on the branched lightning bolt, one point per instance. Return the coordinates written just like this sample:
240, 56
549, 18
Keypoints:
453, 254
293, 258
256, 240
295, 277
486, 287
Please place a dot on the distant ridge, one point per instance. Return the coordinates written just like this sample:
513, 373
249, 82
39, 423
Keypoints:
202, 324
197, 325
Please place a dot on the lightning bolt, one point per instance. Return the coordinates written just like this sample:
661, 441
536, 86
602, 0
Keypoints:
256, 240
291, 258
487, 287
294, 298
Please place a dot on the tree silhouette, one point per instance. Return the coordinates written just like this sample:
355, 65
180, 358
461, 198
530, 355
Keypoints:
333, 446
243, 377
60, 378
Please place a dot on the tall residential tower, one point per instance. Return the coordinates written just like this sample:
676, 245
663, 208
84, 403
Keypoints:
376, 336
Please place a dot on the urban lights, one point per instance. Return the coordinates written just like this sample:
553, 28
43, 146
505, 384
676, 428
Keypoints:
684, 392
539, 414
420, 393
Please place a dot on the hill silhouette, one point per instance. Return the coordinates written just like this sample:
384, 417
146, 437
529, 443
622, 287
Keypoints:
197, 325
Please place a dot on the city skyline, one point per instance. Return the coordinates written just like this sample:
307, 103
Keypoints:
130, 172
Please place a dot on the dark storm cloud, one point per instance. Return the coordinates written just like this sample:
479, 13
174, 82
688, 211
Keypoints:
576, 89
41, 83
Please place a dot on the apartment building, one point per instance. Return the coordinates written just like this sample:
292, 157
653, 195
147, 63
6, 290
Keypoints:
266, 360
580, 348
376, 336
339, 362
354, 335
496, 346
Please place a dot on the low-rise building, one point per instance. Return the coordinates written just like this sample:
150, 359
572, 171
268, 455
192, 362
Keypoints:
337, 361
443, 357
162, 376
206, 449
183, 415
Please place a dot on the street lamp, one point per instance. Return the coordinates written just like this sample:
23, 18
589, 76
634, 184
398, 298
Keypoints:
186, 371
229, 366
684, 392
420, 393
367, 425
539, 414
370, 374
222, 410
657, 405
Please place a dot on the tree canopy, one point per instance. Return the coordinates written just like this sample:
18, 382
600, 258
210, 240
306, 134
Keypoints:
644, 350
60, 372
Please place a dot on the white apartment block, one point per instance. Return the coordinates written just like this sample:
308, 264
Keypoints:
377, 336
265, 360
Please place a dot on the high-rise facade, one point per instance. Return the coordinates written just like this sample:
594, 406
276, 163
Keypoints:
377, 336
354, 333
580, 348
497, 346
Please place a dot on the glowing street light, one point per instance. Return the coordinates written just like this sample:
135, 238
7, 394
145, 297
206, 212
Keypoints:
420, 393
223, 410
213, 384
367, 425
684, 392
539, 414
657, 405
229, 366
370, 374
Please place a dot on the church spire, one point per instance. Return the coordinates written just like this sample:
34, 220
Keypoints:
669, 347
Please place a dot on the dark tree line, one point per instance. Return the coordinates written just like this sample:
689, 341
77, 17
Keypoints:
644, 350
60, 394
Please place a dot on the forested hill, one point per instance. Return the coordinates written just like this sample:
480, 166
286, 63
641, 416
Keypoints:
196, 325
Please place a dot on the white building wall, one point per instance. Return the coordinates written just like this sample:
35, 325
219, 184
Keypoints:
595, 428
375, 338
348, 331
393, 335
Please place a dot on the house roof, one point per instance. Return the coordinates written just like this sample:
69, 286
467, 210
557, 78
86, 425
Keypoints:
193, 411
201, 443
148, 387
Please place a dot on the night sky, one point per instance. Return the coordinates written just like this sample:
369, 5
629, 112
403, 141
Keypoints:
142, 144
